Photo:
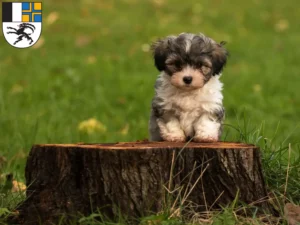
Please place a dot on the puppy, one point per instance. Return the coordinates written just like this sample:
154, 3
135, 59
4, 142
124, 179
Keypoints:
188, 98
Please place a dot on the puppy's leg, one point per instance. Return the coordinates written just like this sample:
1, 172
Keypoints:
165, 127
170, 129
208, 127
154, 132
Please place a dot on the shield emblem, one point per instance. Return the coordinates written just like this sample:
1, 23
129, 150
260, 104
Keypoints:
22, 23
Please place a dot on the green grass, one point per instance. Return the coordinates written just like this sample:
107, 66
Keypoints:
94, 63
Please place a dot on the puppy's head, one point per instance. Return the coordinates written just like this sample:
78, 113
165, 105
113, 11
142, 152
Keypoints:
190, 60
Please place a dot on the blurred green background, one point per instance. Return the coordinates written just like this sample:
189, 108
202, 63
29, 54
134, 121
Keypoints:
90, 77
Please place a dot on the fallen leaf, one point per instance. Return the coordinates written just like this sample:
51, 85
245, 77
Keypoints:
84, 12
16, 89
124, 130
15, 213
82, 41
52, 17
122, 100
282, 25
18, 186
257, 88
91, 59
292, 213
158, 3
145, 47
91, 125
39, 43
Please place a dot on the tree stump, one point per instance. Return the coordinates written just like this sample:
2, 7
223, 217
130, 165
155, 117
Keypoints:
136, 178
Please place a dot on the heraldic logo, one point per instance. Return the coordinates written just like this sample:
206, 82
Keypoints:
22, 23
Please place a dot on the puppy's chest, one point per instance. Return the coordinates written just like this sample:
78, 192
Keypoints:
187, 112
186, 105
187, 109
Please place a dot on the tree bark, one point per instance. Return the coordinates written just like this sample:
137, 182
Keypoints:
138, 178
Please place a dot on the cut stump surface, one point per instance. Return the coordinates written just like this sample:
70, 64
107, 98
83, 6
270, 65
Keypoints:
136, 178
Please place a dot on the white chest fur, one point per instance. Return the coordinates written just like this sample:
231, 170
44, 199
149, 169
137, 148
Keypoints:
188, 106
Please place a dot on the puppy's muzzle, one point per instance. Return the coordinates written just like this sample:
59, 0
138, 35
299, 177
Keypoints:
187, 79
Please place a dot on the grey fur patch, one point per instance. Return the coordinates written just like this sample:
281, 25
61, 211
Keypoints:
157, 108
154, 132
158, 84
220, 114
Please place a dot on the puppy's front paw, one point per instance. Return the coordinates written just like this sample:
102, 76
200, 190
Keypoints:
174, 138
205, 139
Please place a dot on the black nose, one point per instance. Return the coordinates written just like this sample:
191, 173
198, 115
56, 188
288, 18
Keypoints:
187, 79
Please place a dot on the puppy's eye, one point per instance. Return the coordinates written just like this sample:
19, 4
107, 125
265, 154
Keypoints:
175, 63
205, 69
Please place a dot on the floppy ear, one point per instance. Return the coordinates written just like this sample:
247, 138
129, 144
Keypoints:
161, 50
219, 58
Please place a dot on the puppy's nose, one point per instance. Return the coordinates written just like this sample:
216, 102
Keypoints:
187, 79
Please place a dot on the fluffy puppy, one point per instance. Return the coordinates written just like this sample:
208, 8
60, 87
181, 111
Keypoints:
188, 98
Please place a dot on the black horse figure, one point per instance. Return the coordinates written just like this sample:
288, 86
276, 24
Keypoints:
21, 32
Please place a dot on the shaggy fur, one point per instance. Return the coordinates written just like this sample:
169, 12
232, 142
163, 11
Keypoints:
188, 98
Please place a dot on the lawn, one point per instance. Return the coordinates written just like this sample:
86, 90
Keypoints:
90, 77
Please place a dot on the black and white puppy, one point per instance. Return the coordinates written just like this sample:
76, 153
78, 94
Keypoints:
188, 98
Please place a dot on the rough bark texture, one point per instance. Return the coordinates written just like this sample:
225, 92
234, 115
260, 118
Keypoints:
67, 179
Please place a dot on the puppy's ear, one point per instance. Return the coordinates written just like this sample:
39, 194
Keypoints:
161, 49
219, 58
